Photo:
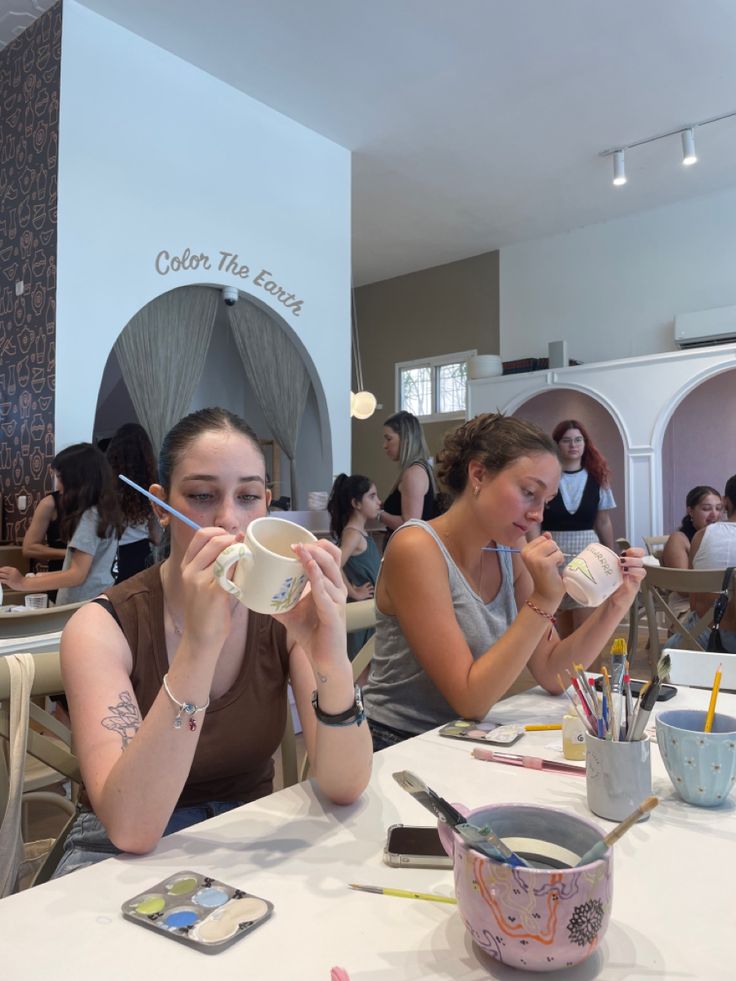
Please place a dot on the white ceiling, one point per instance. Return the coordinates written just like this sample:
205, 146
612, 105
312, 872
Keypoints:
476, 123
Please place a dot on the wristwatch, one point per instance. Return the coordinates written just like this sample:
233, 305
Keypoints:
355, 715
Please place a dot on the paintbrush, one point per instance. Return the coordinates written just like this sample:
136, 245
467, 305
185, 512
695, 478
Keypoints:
601, 847
484, 840
161, 504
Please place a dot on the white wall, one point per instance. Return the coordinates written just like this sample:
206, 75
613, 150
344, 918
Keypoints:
155, 154
612, 290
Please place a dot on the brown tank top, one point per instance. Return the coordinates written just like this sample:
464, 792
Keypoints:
242, 728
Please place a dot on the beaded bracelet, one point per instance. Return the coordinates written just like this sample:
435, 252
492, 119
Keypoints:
543, 613
185, 708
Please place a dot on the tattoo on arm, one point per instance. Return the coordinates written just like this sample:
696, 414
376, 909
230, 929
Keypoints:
125, 718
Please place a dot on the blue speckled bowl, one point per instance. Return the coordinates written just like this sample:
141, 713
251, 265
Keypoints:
701, 765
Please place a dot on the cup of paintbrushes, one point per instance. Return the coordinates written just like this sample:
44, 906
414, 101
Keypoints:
618, 776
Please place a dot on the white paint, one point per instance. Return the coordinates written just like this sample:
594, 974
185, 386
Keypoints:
612, 290
156, 154
641, 394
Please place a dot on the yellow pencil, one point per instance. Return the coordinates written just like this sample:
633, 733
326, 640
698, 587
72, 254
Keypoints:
405, 893
713, 696
542, 728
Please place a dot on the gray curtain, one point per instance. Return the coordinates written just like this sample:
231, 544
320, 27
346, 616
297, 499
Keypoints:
276, 373
162, 352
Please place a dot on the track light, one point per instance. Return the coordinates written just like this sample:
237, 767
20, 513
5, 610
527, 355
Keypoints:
619, 171
688, 148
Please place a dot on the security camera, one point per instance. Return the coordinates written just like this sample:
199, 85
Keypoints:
229, 295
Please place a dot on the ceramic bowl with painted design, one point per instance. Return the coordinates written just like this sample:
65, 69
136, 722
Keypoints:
540, 918
701, 765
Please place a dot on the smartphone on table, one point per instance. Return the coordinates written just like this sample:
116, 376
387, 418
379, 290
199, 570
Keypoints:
665, 692
413, 846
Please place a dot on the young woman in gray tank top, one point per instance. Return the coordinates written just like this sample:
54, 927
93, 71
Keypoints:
459, 625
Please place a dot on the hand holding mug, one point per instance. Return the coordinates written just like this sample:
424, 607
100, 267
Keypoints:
543, 559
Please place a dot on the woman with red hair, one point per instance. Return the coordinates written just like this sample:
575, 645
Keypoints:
579, 514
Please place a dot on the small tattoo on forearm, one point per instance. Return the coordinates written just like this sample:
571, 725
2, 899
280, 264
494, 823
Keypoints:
322, 678
125, 718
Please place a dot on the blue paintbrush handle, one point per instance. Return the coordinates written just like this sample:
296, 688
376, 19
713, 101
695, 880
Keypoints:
161, 504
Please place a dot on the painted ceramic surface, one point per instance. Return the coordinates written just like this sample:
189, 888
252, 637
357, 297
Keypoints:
535, 919
288, 594
701, 765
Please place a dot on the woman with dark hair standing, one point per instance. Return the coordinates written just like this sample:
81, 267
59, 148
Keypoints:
190, 683
414, 495
578, 515
354, 501
704, 507
90, 522
130, 453
465, 606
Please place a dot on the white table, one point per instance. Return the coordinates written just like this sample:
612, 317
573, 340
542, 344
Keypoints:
672, 913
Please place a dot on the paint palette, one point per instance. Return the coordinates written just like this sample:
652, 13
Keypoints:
198, 910
482, 732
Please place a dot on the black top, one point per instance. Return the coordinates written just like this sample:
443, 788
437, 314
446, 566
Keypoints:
558, 518
392, 504
53, 534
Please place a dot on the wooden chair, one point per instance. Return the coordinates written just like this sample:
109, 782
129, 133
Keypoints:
697, 669
49, 749
35, 622
658, 582
655, 544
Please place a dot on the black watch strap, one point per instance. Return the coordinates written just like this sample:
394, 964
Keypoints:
354, 715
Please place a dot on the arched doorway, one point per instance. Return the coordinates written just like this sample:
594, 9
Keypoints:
547, 408
223, 382
699, 443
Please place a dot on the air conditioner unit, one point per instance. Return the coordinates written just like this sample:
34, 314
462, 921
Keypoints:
705, 327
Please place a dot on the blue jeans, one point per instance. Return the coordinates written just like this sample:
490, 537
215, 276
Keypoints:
385, 736
678, 640
88, 843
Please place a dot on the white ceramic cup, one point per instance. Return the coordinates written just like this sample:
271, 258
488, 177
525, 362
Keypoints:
37, 601
593, 575
618, 776
268, 576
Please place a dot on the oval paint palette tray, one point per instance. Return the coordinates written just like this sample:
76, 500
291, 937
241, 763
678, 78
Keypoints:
198, 910
482, 732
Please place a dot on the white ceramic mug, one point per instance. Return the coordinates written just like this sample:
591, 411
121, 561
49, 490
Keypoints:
618, 776
268, 576
593, 575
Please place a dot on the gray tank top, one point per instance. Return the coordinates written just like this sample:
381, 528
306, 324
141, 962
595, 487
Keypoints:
399, 693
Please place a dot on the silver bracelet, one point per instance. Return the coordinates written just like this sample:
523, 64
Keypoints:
185, 708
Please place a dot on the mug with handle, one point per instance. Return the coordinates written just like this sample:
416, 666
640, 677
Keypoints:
268, 577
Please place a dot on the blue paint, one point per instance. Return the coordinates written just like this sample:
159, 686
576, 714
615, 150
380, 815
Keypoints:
181, 918
210, 897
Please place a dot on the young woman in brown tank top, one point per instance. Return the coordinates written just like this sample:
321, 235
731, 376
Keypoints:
142, 772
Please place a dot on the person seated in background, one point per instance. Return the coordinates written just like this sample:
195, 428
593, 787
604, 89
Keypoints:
91, 524
191, 685
414, 495
130, 453
465, 606
42, 543
714, 547
704, 507
353, 501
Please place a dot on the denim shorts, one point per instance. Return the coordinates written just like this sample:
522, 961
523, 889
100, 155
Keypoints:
678, 640
87, 841
385, 736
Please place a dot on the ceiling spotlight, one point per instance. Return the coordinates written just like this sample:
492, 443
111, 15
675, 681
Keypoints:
688, 148
619, 173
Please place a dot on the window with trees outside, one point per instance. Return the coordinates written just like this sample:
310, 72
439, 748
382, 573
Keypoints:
434, 388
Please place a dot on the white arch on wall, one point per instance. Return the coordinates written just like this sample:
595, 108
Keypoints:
519, 400
320, 398
663, 419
